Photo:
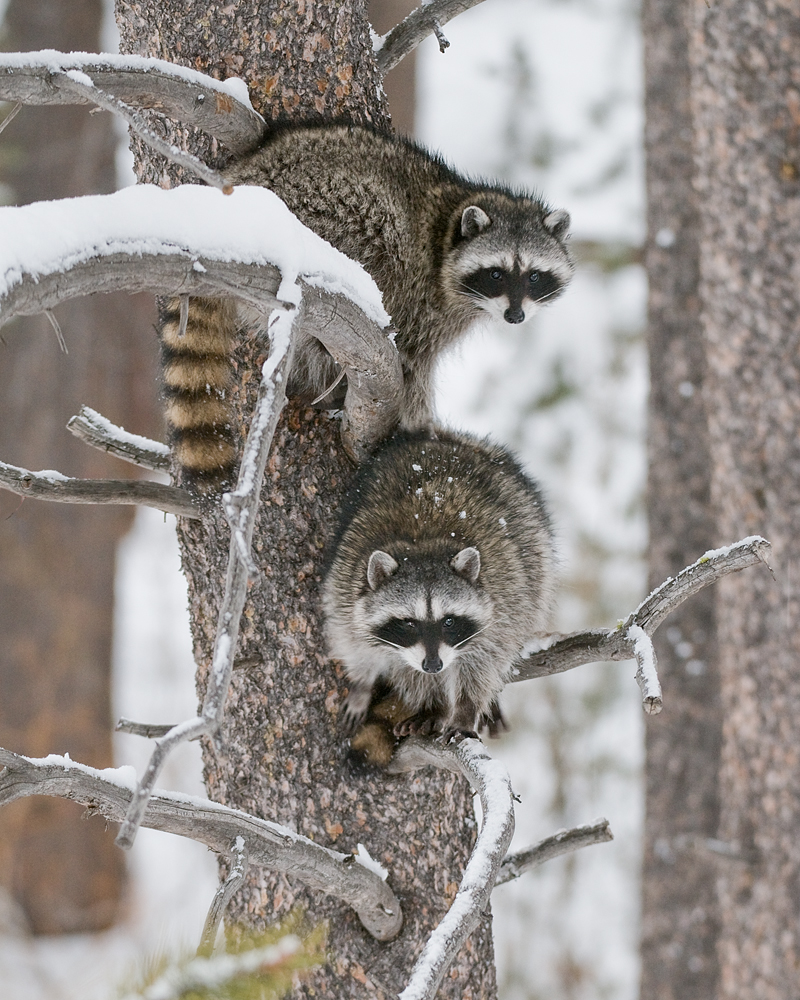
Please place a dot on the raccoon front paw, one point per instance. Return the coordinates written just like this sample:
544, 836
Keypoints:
352, 718
419, 725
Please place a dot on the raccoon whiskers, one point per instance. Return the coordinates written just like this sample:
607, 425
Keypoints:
377, 639
458, 645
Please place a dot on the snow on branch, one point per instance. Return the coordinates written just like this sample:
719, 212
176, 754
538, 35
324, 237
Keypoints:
269, 845
51, 485
241, 508
490, 780
221, 109
194, 241
559, 843
94, 429
404, 37
631, 639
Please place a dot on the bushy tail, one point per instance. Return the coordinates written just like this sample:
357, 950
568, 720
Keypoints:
198, 373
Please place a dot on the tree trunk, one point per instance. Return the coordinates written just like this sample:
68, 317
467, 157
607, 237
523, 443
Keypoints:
280, 753
57, 563
680, 919
733, 445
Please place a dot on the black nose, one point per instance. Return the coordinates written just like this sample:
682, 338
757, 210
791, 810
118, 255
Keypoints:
512, 315
432, 664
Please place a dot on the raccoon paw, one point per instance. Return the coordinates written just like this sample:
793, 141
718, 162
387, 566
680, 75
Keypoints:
419, 725
457, 735
352, 718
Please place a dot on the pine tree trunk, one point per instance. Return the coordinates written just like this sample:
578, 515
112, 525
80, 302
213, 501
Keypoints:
735, 209
280, 752
57, 562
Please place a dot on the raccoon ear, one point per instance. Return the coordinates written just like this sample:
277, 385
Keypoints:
379, 568
557, 222
467, 563
473, 221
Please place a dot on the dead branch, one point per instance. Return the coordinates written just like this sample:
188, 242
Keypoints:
187, 97
594, 645
239, 865
95, 430
269, 845
51, 485
563, 842
490, 780
425, 20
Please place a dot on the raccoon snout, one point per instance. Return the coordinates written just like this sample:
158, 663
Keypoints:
514, 315
432, 664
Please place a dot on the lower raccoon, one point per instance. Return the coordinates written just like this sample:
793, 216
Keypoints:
442, 249
442, 570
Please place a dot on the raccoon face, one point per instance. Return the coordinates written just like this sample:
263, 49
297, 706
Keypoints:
510, 268
428, 613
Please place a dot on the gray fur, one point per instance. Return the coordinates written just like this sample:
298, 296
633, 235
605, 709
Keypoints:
418, 228
438, 528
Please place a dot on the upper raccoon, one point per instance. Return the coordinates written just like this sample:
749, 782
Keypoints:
442, 570
443, 250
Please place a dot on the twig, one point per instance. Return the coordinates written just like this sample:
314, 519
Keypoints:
94, 429
490, 779
594, 645
187, 97
146, 729
223, 895
12, 114
244, 501
269, 845
51, 485
57, 330
559, 843
406, 36
71, 82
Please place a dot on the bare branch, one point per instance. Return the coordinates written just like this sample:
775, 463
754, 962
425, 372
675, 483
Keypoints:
149, 730
239, 866
187, 97
51, 485
241, 507
93, 428
81, 85
12, 114
559, 843
269, 845
57, 330
595, 645
490, 780
406, 36
372, 363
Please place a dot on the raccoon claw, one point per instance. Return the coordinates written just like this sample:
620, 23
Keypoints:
351, 720
457, 735
418, 725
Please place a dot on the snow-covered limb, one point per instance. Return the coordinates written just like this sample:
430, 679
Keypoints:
221, 109
241, 505
239, 865
490, 780
51, 485
406, 36
93, 428
559, 843
269, 845
565, 652
646, 669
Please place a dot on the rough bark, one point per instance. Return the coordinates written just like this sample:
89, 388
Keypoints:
722, 868
746, 102
280, 753
57, 564
680, 919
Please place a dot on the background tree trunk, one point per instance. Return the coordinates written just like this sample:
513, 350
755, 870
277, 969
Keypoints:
280, 753
57, 563
730, 437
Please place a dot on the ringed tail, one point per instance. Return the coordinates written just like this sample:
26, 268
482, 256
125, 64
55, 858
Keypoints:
198, 375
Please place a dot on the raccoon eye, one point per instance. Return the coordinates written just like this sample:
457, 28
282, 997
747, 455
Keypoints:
449, 622
495, 275
534, 277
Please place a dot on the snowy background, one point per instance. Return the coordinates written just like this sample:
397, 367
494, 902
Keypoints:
546, 95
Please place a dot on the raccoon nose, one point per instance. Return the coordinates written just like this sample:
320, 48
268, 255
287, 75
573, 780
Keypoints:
514, 315
432, 664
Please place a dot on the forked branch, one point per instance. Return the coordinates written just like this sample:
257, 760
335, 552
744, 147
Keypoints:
631, 638
269, 845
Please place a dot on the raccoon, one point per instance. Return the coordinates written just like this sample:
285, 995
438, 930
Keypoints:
441, 571
442, 249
